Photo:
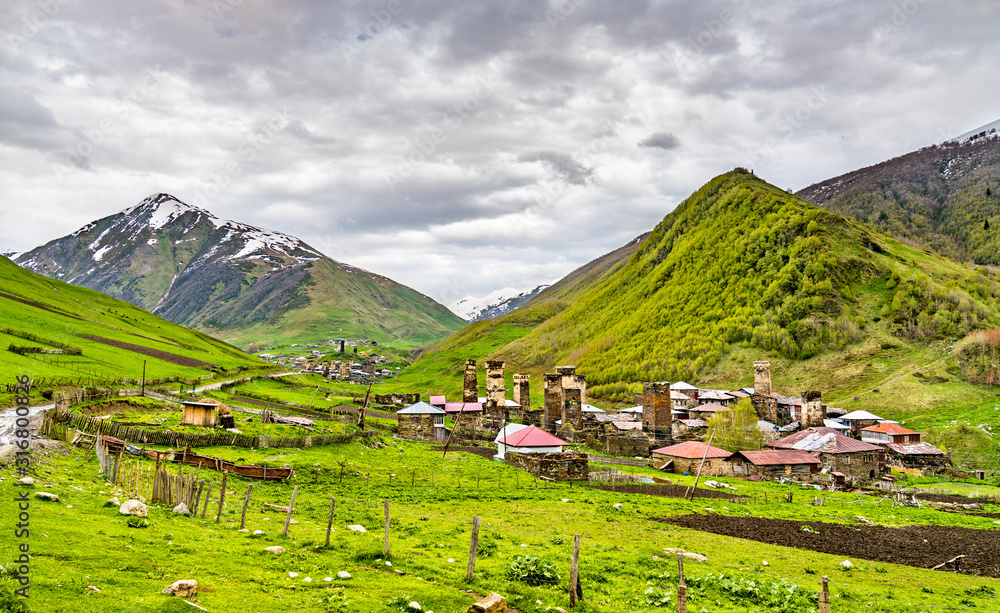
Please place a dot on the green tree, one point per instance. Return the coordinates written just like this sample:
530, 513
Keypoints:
736, 429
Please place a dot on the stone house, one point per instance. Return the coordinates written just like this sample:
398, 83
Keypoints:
860, 419
774, 464
686, 457
916, 455
467, 415
837, 452
554, 466
422, 422
706, 411
716, 397
689, 429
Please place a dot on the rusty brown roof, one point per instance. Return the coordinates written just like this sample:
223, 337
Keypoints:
693, 449
914, 448
777, 457
826, 440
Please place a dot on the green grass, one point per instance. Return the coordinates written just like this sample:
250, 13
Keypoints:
78, 542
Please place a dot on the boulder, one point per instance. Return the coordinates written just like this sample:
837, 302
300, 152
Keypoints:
343, 575
494, 603
26, 481
182, 588
182, 509
275, 549
113, 502
357, 528
133, 507
47, 496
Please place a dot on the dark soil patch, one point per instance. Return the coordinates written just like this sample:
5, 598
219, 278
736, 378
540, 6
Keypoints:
919, 546
662, 489
172, 358
952, 498
38, 306
483, 452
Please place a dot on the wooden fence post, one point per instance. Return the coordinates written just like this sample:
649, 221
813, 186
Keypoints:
288, 516
387, 527
246, 503
574, 573
824, 597
329, 520
682, 590
473, 547
222, 495
208, 495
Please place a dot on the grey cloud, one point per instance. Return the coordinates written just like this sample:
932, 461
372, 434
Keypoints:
661, 140
564, 166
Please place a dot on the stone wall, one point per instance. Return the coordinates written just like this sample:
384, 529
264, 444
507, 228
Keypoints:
572, 412
766, 407
557, 466
857, 466
714, 467
416, 427
470, 388
628, 446
397, 399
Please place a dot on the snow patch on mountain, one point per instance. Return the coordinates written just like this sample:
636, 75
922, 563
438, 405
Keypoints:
989, 130
494, 304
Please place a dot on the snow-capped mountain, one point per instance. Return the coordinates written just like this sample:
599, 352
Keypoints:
494, 304
188, 266
989, 130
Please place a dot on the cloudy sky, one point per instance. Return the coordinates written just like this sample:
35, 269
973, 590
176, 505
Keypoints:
461, 146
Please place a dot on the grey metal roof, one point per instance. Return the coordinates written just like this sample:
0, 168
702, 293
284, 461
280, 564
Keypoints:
421, 408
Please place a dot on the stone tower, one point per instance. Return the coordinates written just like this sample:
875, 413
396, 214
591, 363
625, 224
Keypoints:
813, 412
495, 411
522, 393
553, 400
762, 378
470, 388
657, 420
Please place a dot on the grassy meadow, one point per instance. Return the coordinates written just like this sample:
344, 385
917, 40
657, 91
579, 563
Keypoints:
78, 542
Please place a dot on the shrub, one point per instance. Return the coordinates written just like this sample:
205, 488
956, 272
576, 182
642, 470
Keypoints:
137, 522
532, 570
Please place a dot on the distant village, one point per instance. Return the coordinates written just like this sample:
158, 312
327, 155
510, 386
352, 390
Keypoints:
801, 438
370, 367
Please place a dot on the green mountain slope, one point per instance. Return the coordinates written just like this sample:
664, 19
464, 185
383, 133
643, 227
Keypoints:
51, 330
945, 198
740, 265
235, 281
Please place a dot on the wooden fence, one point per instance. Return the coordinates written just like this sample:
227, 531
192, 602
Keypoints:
58, 420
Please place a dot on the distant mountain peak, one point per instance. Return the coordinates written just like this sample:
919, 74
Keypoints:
988, 131
496, 303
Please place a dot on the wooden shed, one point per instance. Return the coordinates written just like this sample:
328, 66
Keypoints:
205, 412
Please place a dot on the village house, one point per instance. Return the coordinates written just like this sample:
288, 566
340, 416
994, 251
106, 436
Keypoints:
686, 392
888, 432
689, 429
422, 422
857, 420
687, 457
706, 411
526, 439
467, 415
837, 452
916, 455
680, 401
774, 464
716, 397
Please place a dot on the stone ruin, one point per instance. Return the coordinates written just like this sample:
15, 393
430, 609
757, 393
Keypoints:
553, 466
657, 419
522, 397
495, 412
813, 412
345, 370
470, 388
396, 399
370, 365
553, 400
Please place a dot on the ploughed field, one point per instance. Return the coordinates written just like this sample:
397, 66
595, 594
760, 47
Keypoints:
920, 546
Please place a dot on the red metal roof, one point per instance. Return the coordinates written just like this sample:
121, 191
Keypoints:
693, 450
463, 407
710, 407
438, 400
532, 437
777, 457
826, 440
887, 428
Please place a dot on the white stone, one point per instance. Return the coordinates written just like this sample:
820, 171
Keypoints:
93, 589
258, 532
343, 575
327, 578
114, 502
292, 522
182, 509
292, 575
47, 496
244, 530
133, 507
182, 588
764, 563
275, 549
26, 481
307, 580
452, 560
415, 605
388, 563
847, 564
617, 505
357, 528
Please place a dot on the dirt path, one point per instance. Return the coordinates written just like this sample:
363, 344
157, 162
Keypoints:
919, 546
